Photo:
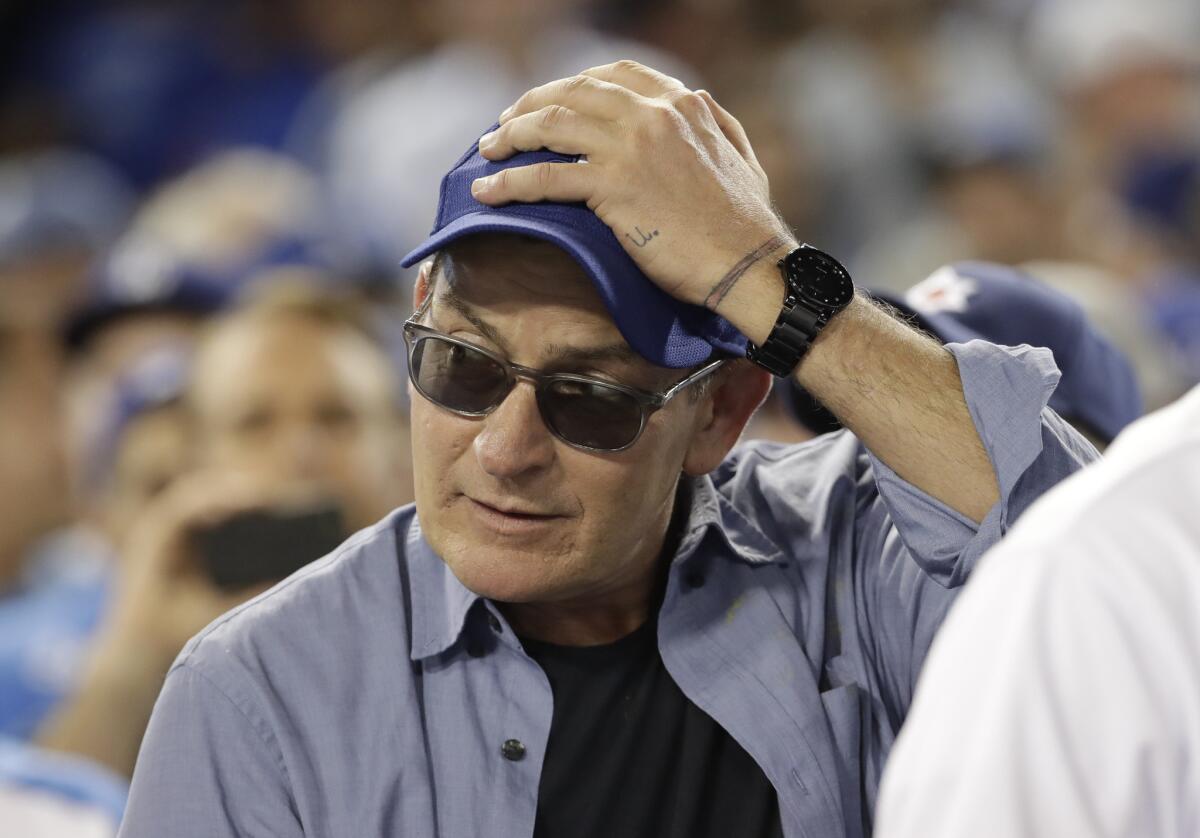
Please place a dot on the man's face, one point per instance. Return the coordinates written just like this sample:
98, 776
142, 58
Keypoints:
586, 524
303, 404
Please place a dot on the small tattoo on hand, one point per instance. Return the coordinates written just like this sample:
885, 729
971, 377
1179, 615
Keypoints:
645, 237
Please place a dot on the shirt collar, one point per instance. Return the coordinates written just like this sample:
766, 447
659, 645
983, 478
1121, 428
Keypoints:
710, 510
440, 603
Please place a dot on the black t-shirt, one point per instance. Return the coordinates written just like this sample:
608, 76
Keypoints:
630, 756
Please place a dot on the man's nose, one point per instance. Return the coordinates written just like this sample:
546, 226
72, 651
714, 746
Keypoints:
514, 439
299, 452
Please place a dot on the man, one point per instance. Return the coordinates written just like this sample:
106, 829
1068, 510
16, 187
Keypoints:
289, 400
1063, 695
597, 620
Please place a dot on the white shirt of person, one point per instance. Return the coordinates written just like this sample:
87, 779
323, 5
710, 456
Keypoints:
1062, 697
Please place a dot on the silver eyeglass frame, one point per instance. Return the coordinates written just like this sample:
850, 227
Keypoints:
649, 402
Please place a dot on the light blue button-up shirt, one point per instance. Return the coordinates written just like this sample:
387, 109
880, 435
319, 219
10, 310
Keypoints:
371, 693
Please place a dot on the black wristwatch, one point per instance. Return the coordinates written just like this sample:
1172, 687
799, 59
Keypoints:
818, 287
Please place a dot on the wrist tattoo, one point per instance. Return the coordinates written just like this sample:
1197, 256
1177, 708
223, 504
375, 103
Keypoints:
726, 283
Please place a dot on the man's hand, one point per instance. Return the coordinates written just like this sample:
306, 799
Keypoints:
668, 170
166, 595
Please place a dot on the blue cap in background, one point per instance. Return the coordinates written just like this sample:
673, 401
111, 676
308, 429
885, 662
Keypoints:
984, 301
661, 329
152, 381
981, 300
145, 275
59, 198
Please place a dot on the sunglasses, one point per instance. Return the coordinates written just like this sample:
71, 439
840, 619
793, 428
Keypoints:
582, 411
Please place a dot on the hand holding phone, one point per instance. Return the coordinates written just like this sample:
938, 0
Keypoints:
200, 549
266, 545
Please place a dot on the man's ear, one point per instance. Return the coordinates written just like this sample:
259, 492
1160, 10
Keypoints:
741, 387
424, 284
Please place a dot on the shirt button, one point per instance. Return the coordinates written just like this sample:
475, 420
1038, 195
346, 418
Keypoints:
513, 750
494, 622
695, 579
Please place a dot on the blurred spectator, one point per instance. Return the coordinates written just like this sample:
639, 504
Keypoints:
157, 86
1098, 392
729, 39
390, 142
48, 795
341, 32
196, 239
991, 195
57, 210
144, 445
48, 618
1116, 310
1062, 695
191, 249
296, 388
1127, 78
862, 89
291, 400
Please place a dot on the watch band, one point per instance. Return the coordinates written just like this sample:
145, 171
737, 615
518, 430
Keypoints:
790, 338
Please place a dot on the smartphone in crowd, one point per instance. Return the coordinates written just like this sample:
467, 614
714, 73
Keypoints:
269, 544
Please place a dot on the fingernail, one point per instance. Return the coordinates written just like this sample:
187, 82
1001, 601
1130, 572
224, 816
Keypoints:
480, 185
486, 139
506, 113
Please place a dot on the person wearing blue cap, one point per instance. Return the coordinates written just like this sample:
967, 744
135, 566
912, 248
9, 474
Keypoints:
601, 617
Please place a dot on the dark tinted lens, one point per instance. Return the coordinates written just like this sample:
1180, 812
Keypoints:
456, 376
590, 414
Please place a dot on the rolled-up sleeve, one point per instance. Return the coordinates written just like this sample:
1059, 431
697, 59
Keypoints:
911, 554
1031, 449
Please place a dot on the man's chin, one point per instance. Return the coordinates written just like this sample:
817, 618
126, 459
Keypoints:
503, 585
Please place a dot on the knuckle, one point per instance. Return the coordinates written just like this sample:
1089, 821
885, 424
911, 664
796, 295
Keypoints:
552, 115
662, 119
689, 103
543, 175
576, 84
627, 64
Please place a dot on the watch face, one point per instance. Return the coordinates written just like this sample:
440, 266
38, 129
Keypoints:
820, 278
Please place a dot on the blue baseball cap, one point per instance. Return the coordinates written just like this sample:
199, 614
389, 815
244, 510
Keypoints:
152, 381
661, 329
981, 300
143, 275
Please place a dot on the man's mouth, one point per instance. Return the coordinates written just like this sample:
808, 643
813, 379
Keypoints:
507, 517
514, 510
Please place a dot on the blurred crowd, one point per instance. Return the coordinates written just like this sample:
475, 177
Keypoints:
203, 204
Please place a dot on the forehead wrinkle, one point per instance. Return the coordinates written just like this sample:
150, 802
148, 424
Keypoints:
465, 309
610, 352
